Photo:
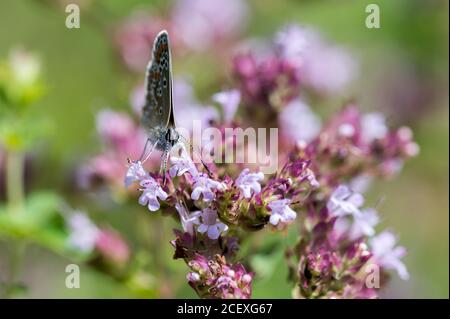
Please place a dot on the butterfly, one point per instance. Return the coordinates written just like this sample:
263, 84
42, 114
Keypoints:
157, 116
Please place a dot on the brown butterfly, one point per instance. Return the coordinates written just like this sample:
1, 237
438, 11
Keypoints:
157, 116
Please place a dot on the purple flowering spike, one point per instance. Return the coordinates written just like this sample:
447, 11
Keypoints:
214, 278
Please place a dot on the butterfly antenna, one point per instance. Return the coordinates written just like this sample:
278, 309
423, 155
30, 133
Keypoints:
191, 148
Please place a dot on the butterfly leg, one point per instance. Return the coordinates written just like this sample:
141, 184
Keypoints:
144, 150
165, 158
151, 151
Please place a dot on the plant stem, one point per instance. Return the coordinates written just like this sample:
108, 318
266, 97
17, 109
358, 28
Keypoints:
15, 198
16, 257
15, 180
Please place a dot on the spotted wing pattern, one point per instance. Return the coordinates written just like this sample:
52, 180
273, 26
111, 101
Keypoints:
157, 112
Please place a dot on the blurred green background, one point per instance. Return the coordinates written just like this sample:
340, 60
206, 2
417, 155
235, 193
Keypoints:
84, 75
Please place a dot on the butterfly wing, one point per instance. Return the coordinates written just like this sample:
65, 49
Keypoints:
157, 112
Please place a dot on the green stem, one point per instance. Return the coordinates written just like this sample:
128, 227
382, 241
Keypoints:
15, 198
15, 180
16, 257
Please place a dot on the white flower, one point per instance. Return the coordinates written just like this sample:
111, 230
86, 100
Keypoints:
209, 223
360, 183
387, 255
182, 163
229, 100
205, 186
358, 225
311, 177
281, 212
248, 182
346, 130
151, 192
202, 23
135, 173
83, 232
292, 41
344, 202
25, 66
187, 220
373, 127
364, 223
298, 122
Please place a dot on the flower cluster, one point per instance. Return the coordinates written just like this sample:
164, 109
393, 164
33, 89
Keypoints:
325, 169
215, 278
352, 144
338, 246
297, 59
212, 208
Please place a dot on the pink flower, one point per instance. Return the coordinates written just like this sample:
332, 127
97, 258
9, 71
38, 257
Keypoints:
323, 67
344, 202
209, 223
83, 232
248, 183
203, 23
151, 192
203, 185
187, 220
134, 39
182, 164
135, 173
214, 278
273, 81
112, 246
281, 213
373, 127
229, 100
298, 122
387, 255
358, 225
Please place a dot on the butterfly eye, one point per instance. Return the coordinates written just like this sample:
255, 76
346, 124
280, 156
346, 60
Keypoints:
164, 82
160, 111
